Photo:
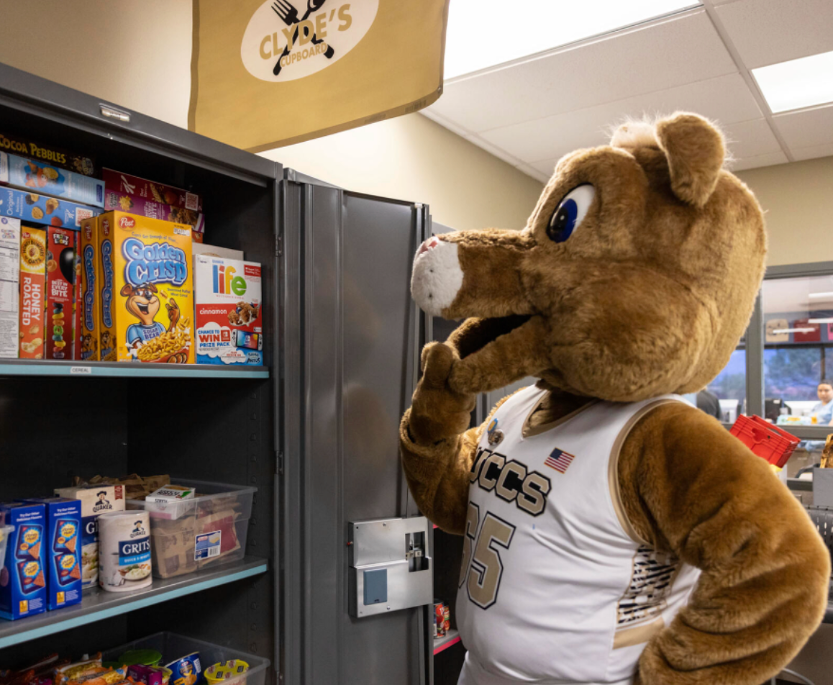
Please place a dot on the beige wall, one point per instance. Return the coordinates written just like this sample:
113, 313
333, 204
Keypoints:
797, 199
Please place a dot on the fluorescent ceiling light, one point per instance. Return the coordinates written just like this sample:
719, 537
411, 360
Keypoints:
802, 329
792, 85
483, 33
822, 320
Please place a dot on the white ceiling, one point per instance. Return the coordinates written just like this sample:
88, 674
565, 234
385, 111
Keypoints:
533, 110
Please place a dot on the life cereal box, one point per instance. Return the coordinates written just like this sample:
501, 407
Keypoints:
228, 311
32, 278
86, 296
60, 278
152, 298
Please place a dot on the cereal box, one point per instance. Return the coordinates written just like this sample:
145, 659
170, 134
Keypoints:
23, 579
62, 551
58, 157
156, 210
87, 295
32, 280
9, 285
153, 303
49, 179
104, 297
41, 209
95, 501
60, 278
228, 311
151, 190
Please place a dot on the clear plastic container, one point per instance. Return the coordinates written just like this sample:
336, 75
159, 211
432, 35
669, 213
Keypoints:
173, 647
5, 531
207, 530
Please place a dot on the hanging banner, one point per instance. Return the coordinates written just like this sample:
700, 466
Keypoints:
269, 74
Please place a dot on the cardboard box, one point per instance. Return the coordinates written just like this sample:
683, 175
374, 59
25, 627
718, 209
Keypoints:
151, 190
80, 164
23, 579
62, 541
95, 501
122, 202
9, 286
229, 323
60, 295
87, 294
32, 281
41, 209
44, 177
153, 301
77, 302
214, 251
107, 317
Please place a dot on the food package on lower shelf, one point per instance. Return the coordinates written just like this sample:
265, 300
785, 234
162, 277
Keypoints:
23, 576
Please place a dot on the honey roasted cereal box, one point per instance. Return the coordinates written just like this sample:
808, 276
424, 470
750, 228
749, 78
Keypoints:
152, 295
86, 297
60, 280
32, 280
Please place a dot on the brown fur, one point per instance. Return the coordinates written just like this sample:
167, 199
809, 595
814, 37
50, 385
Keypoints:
650, 295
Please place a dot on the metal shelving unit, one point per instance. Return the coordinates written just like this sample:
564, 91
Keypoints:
442, 642
127, 370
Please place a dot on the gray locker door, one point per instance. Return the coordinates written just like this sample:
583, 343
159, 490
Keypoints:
352, 338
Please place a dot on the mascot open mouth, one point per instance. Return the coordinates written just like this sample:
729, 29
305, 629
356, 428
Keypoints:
477, 333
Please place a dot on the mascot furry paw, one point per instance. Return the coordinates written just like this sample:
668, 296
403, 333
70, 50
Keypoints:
612, 532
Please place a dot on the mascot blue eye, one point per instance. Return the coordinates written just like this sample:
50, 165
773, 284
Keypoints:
570, 212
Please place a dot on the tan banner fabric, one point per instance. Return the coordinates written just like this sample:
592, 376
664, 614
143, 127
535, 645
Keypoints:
268, 74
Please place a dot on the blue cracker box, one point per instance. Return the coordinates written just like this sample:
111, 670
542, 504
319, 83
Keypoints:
22, 578
41, 209
62, 551
49, 179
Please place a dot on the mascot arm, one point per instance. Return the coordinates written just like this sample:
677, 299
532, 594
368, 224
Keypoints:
690, 487
437, 449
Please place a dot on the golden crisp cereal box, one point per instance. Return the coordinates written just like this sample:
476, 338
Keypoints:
87, 284
152, 296
106, 321
32, 279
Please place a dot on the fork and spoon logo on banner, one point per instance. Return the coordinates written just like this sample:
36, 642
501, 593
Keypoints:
290, 39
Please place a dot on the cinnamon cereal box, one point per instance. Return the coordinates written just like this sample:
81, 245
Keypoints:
152, 297
60, 279
87, 296
32, 278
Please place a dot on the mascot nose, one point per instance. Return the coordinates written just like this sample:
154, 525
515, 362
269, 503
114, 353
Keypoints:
425, 246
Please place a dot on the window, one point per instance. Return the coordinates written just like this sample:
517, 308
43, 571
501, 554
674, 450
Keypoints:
730, 386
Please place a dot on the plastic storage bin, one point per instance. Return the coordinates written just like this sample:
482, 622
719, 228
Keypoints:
764, 439
209, 529
174, 646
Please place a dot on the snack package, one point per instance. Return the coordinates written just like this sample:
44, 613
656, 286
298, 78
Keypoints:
9, 286
80, 164
228, 311
32, 280
166, 502
60, 293
186, 670
62, 538
151, 190
153, 303
23, 579
155, 210
47, 178
104, 297
42, 209
87, 292
94, 501
135, 487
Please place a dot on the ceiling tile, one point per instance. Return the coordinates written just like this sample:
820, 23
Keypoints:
770, 31
726, 99
812, 152
805, 128
750, 139
766, 160
645, 59
546, 166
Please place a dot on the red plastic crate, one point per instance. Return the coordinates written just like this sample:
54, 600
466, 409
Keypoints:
765, 439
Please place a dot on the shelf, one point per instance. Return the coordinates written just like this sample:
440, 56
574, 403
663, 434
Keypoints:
442, 642
97, 604
10, 367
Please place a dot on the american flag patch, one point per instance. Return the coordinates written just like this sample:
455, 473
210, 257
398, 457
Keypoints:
559, 460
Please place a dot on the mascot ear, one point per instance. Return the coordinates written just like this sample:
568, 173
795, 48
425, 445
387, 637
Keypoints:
695, 151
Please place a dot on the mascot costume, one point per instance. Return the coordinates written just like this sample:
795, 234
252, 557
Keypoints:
612, 532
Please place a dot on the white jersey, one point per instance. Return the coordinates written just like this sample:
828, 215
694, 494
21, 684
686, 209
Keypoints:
556, 586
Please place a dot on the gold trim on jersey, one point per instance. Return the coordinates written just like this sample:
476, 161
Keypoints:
527, 431
638, 634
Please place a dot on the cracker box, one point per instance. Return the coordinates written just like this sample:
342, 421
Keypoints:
156, 210
87, 292
60, 296
23, 577
152, 298
80, 164
44, 177
9, 286
228, 311
42, 209
95, 501
32, 281
62, 551
151, 190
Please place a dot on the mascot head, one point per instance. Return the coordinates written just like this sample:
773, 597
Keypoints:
635, 275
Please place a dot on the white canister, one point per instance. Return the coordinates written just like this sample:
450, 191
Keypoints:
124, 550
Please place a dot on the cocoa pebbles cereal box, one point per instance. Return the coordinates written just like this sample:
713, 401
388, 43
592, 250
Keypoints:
152, 298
